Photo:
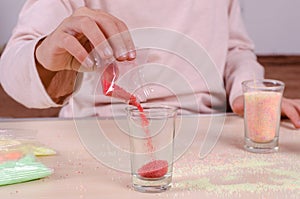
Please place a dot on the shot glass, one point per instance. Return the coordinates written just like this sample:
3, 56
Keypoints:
151, 132
262, 112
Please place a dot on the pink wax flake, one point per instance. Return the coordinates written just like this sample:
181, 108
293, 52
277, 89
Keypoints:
154, 169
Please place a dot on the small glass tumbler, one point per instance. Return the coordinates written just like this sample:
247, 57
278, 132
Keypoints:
152, 131
262, 113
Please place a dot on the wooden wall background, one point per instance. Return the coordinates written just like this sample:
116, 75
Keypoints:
284, 68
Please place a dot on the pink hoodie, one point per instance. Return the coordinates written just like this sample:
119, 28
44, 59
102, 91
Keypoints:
215, 26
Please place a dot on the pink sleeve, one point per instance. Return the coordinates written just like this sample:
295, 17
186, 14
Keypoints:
241, 61
18, 73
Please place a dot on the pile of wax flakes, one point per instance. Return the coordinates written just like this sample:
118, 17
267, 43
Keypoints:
18, 151
230, 174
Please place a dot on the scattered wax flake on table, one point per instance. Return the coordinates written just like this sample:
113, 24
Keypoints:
231, 174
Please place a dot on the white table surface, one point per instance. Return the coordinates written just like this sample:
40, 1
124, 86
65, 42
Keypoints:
228, 171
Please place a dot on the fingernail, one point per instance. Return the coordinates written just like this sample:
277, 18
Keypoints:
122, 56
132, 54
88, 62
121, 53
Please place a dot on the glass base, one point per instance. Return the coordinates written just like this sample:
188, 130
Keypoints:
148, 185
261, 147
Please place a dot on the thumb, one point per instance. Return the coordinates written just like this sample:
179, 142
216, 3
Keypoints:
238, 105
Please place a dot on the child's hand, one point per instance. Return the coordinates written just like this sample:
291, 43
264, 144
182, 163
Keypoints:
238, 105
291, 109
68, 46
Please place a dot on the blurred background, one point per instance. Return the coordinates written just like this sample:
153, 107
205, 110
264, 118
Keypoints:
273, 25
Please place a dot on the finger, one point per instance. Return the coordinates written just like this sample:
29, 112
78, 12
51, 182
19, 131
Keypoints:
291, 112
291, 102
238, 105
89, 28
296, 104
118, 35
111, 31
111, 27
125, 34
74, 47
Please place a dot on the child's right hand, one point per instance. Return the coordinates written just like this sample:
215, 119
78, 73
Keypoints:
68, 46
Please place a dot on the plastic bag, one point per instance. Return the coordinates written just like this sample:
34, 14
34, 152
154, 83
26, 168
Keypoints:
110, 73
16, 167
18, 163
23, 140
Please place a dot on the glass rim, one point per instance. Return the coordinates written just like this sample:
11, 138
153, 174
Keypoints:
277, 84
133, 109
